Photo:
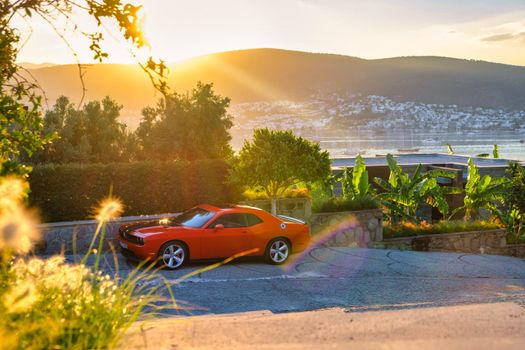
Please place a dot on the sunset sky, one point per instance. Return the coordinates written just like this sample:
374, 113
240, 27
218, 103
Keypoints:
492, 30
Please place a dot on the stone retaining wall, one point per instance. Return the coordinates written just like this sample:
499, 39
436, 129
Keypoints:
341, 229
300, 208
62, 236
348, 229
488, 241
517, 250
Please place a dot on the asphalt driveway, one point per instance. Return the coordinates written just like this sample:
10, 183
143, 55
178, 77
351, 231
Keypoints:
352, 278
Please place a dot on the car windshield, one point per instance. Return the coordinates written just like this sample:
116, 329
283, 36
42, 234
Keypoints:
195, 217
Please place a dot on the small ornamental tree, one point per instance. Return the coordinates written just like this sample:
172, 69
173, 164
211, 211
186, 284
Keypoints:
276, 160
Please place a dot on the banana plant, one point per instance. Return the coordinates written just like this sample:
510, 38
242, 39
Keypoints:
481, 192
495, 153
355, 181
403, 194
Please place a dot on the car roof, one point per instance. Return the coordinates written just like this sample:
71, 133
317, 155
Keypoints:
230, 208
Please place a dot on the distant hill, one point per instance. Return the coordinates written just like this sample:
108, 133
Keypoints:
29, 65
270, 74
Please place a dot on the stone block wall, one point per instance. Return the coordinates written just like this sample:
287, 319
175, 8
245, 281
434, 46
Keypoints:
488, 241
300, 208
63, 236
348, 229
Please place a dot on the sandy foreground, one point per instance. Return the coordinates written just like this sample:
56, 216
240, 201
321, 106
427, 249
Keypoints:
479, 326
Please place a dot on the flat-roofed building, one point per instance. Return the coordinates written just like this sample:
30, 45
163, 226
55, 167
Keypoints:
377, 167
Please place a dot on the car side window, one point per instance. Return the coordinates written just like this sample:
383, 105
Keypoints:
252, 219
230, 221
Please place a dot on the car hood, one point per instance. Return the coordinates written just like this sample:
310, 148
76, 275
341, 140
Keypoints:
149, 228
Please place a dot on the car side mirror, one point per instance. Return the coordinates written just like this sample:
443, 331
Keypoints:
219, 227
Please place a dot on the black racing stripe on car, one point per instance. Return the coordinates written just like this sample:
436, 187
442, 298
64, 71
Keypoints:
138, 225
124, 230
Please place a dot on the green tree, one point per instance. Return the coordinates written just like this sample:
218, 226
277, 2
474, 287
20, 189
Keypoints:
21, 122
92, 134
354, 181
403, 194
277, 160
190, 126
481, 192
513, 215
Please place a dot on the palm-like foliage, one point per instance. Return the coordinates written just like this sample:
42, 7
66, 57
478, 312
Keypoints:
403, 194
481, 192
355, 181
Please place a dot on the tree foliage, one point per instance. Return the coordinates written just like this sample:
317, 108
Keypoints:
513, 214
193, 125
277, 160
403, 194
92, 134
21, 122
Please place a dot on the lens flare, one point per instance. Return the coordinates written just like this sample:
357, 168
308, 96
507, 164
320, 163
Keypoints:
12, 191
347, 230
18, 230
109, 208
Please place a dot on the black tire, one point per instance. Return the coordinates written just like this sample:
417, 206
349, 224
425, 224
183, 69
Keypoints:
278, 251
178, 255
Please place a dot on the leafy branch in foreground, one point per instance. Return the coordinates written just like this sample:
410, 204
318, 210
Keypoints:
21, 122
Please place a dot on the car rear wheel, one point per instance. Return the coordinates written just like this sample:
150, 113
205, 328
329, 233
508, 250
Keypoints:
173, 255
278, 251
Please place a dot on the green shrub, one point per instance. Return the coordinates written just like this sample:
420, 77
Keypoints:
289, 193
70, 191
408, 229
339, 204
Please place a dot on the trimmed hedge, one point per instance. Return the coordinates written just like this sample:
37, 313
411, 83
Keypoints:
340, 204
408, 229
71, 191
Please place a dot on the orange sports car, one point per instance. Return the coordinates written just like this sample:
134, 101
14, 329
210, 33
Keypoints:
209, 232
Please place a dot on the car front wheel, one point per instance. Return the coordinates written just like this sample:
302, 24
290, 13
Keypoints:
278, 251
173, 255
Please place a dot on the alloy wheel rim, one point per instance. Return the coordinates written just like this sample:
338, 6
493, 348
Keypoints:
279, 251
173, 256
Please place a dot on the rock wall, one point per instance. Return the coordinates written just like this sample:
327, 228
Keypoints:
300, 208
76, 236
487, 241
348, 229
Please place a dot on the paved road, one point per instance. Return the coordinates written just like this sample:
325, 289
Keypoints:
353, 278
462, 327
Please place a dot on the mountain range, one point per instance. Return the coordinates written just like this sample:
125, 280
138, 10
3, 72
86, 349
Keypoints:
273, 75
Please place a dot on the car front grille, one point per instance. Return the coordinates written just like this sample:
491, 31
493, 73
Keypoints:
125, 235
